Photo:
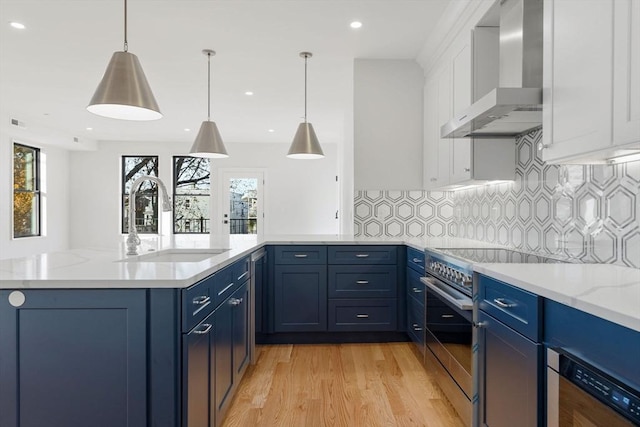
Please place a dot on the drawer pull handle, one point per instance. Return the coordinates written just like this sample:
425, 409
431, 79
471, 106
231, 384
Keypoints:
235, 301
416, 327
416, 290
207, 328
242, 275
447, 316
225, 289
201, 300
417, 260
362, 255
362, 282
300, 255
362, 316
503, 303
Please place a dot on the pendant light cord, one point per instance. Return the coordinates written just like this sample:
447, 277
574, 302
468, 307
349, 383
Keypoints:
126, 44
209, 86
305, 88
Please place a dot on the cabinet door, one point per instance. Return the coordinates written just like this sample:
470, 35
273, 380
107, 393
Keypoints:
626, 82
197, 372
240, 303
461, 147
509, 376
431, 135
445, 112
300, 298
75, 355
577, 115
223, 343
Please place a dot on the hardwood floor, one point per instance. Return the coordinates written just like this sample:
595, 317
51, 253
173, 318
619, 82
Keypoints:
342, 385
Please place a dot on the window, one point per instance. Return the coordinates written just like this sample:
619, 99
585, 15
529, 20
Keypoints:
146, 209
191, 187
26, 191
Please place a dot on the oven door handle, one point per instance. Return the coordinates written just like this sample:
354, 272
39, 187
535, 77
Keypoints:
463, 302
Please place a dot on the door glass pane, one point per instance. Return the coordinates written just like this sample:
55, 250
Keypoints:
243, 206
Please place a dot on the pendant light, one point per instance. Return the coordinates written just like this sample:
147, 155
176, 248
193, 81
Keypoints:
208, 143
123, 92
305, 143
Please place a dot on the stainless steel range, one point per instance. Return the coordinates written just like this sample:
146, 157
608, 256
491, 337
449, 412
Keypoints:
449, 332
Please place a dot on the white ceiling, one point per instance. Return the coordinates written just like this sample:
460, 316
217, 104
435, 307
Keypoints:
49, 71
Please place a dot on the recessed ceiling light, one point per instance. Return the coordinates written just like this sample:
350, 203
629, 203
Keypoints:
89, 128
248, 93
272, 130
187, 130
17, 25
356, 24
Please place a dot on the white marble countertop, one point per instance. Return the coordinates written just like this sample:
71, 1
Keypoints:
608, 291
109, 267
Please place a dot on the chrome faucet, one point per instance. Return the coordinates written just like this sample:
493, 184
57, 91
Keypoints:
132, 239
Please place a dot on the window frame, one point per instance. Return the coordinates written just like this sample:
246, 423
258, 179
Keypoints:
176, 194
37, 191
123, 194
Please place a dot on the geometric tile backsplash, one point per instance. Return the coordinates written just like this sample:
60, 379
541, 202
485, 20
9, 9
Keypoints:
589, 213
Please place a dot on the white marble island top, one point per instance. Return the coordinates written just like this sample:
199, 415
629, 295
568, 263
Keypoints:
608, 291
109, 267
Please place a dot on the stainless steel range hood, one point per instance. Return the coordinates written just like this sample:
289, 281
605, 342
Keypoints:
515, 106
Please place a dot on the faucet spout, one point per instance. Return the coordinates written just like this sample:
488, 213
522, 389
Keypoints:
132, 239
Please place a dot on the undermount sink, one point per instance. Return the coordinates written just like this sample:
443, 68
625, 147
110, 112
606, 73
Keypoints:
176, 255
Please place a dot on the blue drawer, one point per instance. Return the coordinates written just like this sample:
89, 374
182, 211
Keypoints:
197, 303
415, 260
516, 308
366, 281
415, 322
224, 284
362, 254
415, 288
241, 270
301, 255
362, 315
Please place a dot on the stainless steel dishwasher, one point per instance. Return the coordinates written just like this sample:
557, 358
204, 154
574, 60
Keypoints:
257, 283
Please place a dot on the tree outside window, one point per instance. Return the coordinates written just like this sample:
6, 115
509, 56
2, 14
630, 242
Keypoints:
146, 209
191, 189
26, 191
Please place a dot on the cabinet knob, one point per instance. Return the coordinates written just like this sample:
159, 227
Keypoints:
362, 282
17, 298
416, 327
467, 169
206, 327
362, 316
479, 324
235, 301
542, 146
433, 179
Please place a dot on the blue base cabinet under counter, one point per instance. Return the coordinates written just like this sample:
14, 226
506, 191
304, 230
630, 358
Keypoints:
67, 356
415, 294
510, 355
124, 357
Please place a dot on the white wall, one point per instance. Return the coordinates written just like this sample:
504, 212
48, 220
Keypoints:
55, 196
387, 124
301, 197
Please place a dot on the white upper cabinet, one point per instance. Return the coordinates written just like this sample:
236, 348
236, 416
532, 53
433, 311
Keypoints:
450, 89
591, 86
437, 109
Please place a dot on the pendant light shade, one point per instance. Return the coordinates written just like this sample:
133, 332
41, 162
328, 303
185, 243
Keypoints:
305, 143
124, 92
208, 142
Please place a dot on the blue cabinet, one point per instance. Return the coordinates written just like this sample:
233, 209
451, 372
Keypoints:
240, 303
75, 355
300, 298
510, 355
415, 296
223, 342
198, 374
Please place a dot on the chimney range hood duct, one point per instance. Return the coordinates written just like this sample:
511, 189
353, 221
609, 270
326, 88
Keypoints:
515, 106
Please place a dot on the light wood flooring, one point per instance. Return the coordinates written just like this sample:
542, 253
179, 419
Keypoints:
341, 385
